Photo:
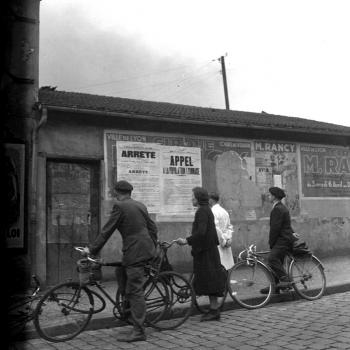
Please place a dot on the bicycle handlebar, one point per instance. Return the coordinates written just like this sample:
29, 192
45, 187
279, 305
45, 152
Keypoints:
97, 261
166, 244
80, 249
251, 251
163, 244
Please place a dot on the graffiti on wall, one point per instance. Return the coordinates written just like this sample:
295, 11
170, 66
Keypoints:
325, 171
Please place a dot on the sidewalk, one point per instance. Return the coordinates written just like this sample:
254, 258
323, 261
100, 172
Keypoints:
337, 271
294, 325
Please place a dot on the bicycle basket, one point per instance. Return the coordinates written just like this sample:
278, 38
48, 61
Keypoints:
88, 271
164, 266
95, 272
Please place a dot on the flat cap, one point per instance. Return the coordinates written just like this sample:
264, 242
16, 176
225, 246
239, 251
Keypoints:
123, 185
277, 192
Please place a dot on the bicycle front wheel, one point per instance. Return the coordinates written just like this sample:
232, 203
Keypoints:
251, 284
178, 303
308, 277
63, 312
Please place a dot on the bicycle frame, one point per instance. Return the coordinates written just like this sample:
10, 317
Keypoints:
253, 256
150, 270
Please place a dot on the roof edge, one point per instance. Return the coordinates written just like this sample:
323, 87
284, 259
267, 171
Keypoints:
176, 121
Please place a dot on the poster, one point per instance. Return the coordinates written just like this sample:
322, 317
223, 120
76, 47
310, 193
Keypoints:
272, 159
325, 171
139, 164
14, 212
181, 172
173, 203
276, 165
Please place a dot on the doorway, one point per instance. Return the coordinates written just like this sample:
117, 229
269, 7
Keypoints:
73, 198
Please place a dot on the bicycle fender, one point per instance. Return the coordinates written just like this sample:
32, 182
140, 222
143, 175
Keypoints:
318, 260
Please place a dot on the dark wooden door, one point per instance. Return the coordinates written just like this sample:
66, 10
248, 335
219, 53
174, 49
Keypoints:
72, 215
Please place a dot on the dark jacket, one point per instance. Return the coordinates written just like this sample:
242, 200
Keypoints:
209, 275
138, 231
203, 235
280, 226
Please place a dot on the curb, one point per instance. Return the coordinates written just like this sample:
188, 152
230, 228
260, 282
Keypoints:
104, 322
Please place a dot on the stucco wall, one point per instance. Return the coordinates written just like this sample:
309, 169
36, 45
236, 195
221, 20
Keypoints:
323, 223
71, 141
324, 236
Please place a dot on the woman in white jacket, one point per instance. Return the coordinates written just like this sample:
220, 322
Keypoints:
224, 230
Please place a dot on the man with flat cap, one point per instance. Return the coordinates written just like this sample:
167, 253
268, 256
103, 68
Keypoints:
281, 238
139, 236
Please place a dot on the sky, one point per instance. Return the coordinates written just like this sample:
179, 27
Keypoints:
284, 57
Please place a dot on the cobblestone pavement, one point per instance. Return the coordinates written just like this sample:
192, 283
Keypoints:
316, 325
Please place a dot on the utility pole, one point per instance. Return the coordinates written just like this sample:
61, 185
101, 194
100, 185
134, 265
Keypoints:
223, 69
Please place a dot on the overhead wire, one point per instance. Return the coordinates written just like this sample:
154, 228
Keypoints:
160, 84
184, 88
134, 77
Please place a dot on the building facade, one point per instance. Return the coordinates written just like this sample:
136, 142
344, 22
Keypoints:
86, 143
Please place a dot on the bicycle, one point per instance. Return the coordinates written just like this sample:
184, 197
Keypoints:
66, 309
21, 309
250, 274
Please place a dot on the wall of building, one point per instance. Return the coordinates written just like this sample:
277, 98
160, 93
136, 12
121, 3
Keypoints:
241, 170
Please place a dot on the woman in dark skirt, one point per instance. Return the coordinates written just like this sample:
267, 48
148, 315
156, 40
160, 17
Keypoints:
209, 275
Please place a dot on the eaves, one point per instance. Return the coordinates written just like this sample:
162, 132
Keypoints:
182, 120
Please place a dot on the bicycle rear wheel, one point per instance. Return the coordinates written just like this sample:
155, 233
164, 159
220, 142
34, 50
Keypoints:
156, 297
246, 280
63, 312
308, 277
179, 301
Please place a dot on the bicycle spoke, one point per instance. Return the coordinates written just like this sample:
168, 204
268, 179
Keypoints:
63, 312
308, 277
246, 282
156, 296
178, 302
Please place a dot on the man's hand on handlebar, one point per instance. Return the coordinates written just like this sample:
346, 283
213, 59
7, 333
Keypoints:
181, 241
84, 251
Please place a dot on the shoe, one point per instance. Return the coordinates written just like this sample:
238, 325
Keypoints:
284, 288
267, 290
212, 315
135, 335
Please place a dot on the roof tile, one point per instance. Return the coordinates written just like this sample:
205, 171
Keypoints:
180, 112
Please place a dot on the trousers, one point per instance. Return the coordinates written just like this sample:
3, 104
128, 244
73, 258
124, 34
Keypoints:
276, 258
131, 280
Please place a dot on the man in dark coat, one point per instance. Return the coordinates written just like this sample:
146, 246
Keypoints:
281, 237
139, 236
